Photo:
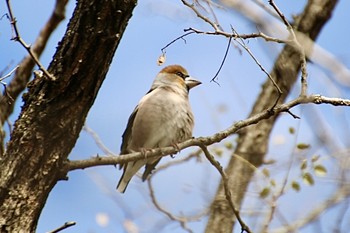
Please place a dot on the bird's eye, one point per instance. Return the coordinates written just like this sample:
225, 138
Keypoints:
182, 75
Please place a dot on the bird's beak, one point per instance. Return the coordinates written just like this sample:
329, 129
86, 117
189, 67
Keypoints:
191, 82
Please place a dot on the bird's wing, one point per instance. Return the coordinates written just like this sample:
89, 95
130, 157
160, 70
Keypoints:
127, 134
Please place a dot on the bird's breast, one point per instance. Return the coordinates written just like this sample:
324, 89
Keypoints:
163, 118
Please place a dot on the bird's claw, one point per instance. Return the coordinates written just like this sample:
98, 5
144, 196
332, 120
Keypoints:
144, 152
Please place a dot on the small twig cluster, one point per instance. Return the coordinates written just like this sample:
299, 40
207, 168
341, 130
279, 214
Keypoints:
63, 227
239, 39
16, 37
4, 84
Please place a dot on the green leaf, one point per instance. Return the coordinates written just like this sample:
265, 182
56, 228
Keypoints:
273, 183
218, 152
296, 186
291, 130
265, 192
229, 145
303, 146
320, 170
308, 179
266, 172
303, 164
315, 158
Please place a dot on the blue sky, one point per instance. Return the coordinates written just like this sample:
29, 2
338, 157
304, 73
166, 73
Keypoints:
187, 188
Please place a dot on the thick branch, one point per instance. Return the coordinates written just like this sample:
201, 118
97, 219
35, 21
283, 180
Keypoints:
18, 38
54, 113
253, 140
218, 137
25, 67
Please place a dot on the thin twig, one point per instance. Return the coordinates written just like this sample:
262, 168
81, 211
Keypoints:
303, 69
262, 5
97, 140
216, 27
228, 194
8, 74
23, 74
18, 38
199, 15
281, 15
236, 36
4, 84
230, 36
241, 43
292, 114
338, 196
65, 226
182, 220
210, 3
173, 41
282, 189
303, 91
223, 61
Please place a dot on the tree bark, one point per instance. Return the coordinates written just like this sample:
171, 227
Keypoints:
25, 68
54, 111
253, 140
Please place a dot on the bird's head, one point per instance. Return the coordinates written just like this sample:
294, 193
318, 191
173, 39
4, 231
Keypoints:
175, 76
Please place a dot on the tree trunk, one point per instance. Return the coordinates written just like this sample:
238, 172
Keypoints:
253, 140
54, 111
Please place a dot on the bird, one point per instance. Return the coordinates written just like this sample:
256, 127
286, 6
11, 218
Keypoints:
163, 117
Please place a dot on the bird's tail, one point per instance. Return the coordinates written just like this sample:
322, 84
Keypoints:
130, 169
123, 183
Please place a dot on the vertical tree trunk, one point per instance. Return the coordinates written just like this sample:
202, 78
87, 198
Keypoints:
54, 111
253, 140
25, 69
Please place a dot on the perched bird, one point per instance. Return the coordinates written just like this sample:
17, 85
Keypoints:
162, 118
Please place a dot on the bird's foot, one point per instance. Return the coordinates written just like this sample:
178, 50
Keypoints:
144, 151
177, 148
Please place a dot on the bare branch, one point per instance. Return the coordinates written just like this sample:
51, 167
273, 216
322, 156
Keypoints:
24, 72
303, 90
278, 195
340, 195
230, 36
97, 140
183, 220
176, 39
261, 4
216, 27
223, 60
8, 74
4, 84
228, 194
313, 51
266, 114
18, 38
210, 4
201, 16
236, 36
241, 43
65, 226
